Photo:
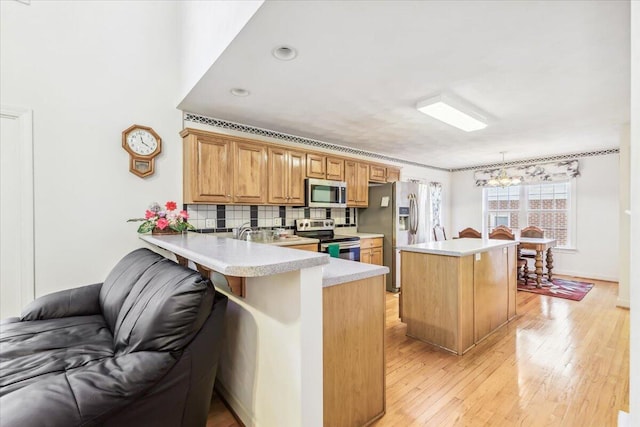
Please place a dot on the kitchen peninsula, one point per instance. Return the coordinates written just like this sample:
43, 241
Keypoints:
456, 292
290, 337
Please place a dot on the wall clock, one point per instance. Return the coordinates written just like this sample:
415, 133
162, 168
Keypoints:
143, 144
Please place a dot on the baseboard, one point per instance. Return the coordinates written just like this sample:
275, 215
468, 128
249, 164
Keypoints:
234, 406
624, 303
582, 275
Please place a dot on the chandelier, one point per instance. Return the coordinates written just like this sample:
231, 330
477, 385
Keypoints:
502, 179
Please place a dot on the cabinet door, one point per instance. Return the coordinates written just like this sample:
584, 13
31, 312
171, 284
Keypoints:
376, 256
393, 175
208, 169
351, 178
365, 256
377, 173
278, 166
295, 177
250, 173
316, 166
335, 169
362, 197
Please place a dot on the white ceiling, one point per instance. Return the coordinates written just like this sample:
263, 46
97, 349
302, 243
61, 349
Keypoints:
554, 76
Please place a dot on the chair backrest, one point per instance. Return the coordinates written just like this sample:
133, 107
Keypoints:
532, 231
502, 233
470, 232
439, 234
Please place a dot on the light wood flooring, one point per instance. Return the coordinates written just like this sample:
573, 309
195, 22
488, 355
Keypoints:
559, 363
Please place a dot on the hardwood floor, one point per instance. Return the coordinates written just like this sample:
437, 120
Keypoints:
558, 363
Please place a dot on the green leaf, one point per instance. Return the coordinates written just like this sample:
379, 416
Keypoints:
146, 227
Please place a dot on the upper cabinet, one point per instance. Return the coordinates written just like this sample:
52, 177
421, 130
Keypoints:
377, 173
325, 167
224, 169
393, 174
286, 176
221, 169
357, 178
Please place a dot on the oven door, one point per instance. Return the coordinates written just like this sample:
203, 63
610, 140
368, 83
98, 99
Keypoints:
348, 250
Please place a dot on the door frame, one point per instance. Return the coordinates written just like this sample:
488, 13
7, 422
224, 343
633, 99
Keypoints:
24, 117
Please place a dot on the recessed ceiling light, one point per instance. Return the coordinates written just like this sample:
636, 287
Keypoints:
284, 53
453, 112
236, 91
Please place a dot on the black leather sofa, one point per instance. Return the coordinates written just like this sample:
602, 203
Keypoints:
140, 349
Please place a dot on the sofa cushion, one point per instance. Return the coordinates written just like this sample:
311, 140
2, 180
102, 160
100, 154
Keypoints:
31, 351
120, 281
165, 308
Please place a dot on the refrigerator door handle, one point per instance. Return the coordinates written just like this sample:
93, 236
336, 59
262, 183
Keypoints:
413, 215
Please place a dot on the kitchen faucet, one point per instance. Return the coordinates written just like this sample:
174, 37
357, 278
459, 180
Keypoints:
243, 229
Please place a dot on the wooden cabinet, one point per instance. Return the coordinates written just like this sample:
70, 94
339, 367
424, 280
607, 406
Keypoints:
335, 168
356, 175
313, 247
455, 302
221, 169
377, 173
353, 352
249, 173
207, 168
325, 167
286, 176
224, 169
316, 166
371, 250
393, 174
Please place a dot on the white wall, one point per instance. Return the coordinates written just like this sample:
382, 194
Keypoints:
625, 219
207, 29
597, 193
89, 70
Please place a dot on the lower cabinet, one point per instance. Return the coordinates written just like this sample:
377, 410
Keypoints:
353, 352
371, 250
313, 247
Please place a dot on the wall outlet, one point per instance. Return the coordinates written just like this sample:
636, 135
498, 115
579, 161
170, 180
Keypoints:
209, 223
277, 222
478, 256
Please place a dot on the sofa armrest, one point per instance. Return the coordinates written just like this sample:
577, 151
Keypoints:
82, 301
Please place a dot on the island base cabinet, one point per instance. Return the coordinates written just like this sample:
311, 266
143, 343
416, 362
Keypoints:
455, 302
353, 354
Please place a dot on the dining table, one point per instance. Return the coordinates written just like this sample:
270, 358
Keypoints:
539, 245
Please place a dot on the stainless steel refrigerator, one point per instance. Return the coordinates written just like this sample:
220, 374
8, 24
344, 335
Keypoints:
399, 210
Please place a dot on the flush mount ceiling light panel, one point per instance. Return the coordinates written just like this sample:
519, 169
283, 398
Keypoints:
453, 112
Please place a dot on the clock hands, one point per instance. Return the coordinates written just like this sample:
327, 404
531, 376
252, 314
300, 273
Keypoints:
142, 140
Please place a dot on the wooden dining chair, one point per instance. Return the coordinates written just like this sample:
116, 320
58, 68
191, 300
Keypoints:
504, 233
439, 233
469, 232
530, 231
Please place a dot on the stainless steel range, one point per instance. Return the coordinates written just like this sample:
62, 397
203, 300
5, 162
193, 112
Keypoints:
323, 229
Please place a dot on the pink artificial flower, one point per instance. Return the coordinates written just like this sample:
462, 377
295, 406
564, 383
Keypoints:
148, 214
171, 206
162, 223
184, 215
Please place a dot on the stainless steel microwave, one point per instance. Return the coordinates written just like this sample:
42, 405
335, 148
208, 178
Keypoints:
321, 193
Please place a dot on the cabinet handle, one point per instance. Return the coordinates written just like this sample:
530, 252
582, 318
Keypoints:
228, 195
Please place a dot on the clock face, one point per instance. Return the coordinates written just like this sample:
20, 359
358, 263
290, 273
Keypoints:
142, 142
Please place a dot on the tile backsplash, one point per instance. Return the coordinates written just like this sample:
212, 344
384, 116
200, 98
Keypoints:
225, 217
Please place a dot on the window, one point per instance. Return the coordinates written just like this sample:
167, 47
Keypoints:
548, 206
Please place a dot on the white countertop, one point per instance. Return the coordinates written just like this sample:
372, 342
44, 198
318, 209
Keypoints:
342, 271
249, 259
297, 240
458, 247
352, 231
236, 257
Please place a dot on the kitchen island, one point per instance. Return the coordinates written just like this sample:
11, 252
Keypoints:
456, 292
302, 324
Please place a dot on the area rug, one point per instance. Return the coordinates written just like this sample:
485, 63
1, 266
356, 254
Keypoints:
560, 288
